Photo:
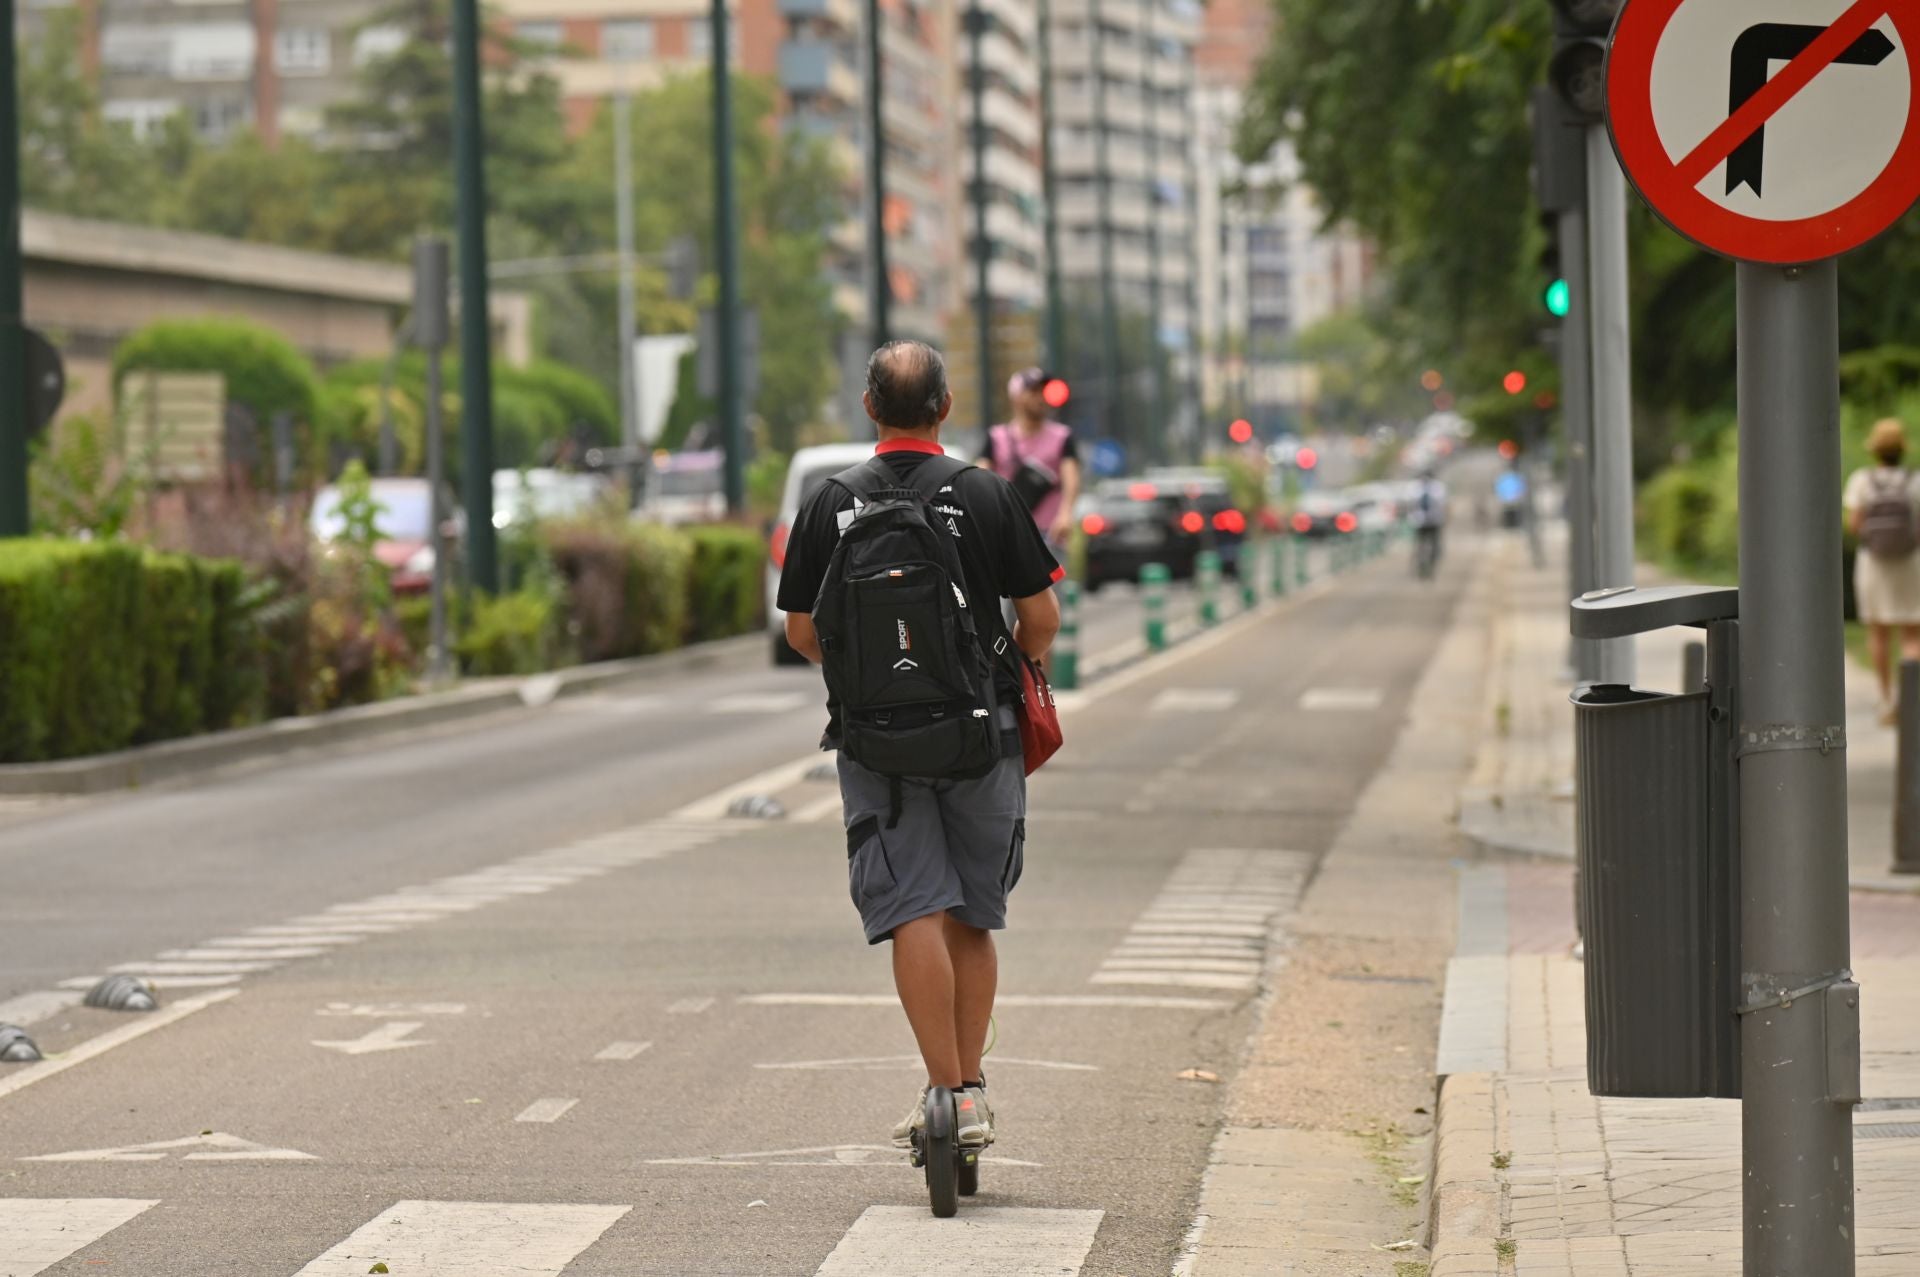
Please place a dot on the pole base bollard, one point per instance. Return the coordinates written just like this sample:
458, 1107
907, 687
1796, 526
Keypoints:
1277, 567
1906, 775
1153, 590
1302, 570
1065, 673
1206, 570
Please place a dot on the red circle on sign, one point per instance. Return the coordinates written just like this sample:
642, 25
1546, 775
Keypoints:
1654, 173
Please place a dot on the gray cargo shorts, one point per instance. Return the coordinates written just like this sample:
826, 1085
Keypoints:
958, 846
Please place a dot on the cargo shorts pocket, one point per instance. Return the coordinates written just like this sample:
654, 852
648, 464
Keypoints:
1016, 856
869, 871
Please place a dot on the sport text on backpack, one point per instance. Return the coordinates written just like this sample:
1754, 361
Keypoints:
900, 646
1887, 523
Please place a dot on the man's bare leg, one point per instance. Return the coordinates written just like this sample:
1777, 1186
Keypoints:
976, 977
923, 972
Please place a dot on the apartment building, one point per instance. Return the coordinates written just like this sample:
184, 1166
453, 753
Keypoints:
1123, 102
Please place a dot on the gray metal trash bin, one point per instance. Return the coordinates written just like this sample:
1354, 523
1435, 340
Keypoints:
1656, 840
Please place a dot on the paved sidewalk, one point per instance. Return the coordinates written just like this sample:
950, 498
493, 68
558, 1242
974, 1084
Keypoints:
1533, 1176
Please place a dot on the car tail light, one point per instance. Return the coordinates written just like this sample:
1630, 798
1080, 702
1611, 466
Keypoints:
1093, 525
1345, 521
1143, 492
1192, 521
1303, 522
777, 545
1230, 521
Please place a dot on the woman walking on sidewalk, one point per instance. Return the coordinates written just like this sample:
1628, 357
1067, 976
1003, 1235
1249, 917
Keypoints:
1883, 510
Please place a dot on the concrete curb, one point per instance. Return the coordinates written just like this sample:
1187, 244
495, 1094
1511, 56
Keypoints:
215, 751
1466, 1208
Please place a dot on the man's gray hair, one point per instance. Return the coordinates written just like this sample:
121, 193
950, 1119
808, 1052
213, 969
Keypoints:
907, 384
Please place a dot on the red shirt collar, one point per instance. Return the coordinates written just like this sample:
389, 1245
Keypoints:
909, 445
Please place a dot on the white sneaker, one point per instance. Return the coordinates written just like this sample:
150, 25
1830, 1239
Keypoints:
915, 1120
975, 1117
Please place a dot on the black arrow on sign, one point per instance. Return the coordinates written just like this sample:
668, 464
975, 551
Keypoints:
1760, 46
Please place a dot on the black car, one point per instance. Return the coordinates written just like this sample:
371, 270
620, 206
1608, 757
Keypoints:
1131, 523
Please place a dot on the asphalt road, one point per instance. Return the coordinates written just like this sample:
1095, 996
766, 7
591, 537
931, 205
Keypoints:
532, 965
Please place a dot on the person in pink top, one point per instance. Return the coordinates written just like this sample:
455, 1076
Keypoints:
1037, 456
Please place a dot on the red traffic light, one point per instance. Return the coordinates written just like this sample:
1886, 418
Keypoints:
1515, 382
1306, 458
1509, 449
1431, 380
1056, 393
1241, 431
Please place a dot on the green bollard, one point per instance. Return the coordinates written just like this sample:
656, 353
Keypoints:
1277, 566
1249, 578
1153, 590
1066, 645
1302, 570
1206, 571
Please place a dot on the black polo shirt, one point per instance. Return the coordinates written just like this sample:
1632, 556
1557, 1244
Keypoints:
1001, 551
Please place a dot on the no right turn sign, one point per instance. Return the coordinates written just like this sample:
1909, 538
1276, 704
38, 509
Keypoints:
1769, 130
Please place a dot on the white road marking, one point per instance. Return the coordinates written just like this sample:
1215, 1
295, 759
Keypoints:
1245, 930
153, 967
621, 1050
1179, 980
169, 984
714, 806
370, 924
821, 1155
392, 1010
238, 955
690, 1006
388, 1037
1341, 700
16, 1080
38, 1232
469, 1239
992, 1241
761, 702
1193, 700
829, 808
1004, 1000
31, 1007
871, 1063
214, 1146
1210, 926
550, 1109
274, 937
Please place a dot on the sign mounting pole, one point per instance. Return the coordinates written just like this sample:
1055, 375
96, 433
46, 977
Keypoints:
1782, 146
1610, 419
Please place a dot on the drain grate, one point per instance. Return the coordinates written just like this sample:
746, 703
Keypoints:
1887, 1131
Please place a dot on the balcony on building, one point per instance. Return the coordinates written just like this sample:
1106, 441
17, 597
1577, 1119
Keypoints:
843, 15
813, 67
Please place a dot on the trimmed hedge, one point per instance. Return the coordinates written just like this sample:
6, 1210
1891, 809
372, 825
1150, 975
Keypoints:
725, 591
518, 633
626, 586
103, 646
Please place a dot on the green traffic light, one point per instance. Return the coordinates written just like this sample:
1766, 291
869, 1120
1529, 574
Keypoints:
1559, 299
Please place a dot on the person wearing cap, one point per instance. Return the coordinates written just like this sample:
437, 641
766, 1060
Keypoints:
1037, 455
1882, 504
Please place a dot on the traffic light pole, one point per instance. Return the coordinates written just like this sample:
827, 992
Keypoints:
14, 519
879, 287
1155, 440
1800, 1018
1612, 397
1576, 405
476, 337
1050, 213
1103, 178
726, 236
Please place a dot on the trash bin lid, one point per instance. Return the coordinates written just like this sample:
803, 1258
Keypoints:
1616, 613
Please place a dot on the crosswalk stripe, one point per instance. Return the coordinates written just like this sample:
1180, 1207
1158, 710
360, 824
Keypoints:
1242, 967
38, 1232
551, 1109
244, 954
469, 1239
982, 1241
622, 1050
1181, 980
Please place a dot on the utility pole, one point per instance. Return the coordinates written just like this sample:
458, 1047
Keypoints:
476, 368
1103, 177
1156, 439
879, 287
623, 233
1190, 206
982, 244
726, 236
429, 326
14, 519
1050, 213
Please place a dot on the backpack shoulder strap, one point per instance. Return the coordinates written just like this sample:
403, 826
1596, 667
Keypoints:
868, 481
936, 473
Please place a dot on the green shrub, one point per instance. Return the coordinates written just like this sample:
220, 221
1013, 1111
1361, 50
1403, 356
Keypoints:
626, 585
263, 370
176, 621
519, 633
725, 587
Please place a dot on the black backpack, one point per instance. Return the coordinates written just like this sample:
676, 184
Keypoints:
901, 641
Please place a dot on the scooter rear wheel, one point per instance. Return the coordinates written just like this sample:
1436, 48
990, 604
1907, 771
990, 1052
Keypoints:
941, 1152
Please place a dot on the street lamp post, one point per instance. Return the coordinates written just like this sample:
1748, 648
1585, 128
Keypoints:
982, 245
1156, 353
879, 287
13, 332
476, 371
1049, 213
726, 236
1103, 180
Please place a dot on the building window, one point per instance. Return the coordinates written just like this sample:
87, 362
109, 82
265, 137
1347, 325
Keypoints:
627, 40
543, 36
303, 51
217, 117
213, 51
128, 50
141, 115
371, 44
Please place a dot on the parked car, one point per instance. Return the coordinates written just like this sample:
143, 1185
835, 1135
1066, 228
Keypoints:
809, 468
1322, 514
406, 546
522, 496
1163, 517
686, 487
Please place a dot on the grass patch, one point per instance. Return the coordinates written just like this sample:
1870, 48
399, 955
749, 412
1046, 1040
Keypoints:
1506, 1250
1385, 1144
1411, 1268
1501, 1161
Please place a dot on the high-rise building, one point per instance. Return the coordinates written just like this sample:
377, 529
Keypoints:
1122, 98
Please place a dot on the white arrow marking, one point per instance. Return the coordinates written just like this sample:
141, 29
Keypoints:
385, 1038
215, 1146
